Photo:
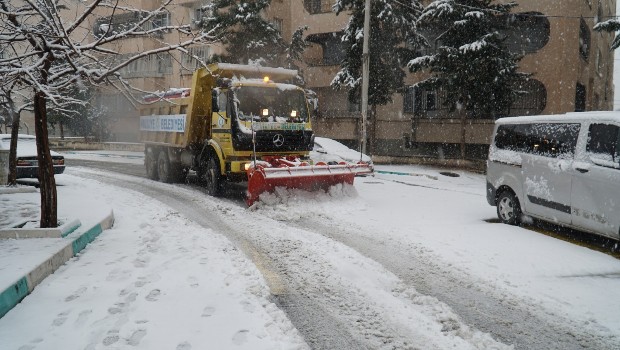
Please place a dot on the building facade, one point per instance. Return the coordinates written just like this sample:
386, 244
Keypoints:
571, 64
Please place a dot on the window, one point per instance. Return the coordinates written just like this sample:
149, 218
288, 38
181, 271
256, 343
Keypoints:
417, 101
200, 13
355, 106
532, 102
545, 139
108, 26
584, 40
431, 100
580, 98
409, 99
277, 24
318, 6
148, 66
526, 32
191, 60
333, 49
604, 145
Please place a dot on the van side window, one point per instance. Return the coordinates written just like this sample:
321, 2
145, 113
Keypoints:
545, 139
604, 145
555, 140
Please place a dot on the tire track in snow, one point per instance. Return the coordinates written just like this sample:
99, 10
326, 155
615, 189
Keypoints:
509, 319
331, 310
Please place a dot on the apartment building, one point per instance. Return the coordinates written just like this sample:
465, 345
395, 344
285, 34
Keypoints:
571, 64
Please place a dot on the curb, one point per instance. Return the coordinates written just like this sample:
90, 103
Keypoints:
57, 232
15, 293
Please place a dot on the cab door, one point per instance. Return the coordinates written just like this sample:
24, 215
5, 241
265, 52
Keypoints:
596, 183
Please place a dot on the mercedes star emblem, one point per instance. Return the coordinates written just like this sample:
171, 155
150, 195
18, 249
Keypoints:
278, 140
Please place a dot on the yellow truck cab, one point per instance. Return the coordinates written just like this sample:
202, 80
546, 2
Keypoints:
233, 115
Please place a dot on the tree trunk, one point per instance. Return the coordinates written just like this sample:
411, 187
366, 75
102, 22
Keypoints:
12, 180
62, 130
49, 200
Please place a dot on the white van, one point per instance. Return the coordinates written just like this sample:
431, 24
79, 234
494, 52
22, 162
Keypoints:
564, 169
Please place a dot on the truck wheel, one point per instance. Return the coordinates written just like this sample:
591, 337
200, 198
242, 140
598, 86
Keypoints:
163, 167
150, 162
213, 177
508, 208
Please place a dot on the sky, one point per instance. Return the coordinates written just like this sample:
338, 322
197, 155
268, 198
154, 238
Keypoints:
158, 278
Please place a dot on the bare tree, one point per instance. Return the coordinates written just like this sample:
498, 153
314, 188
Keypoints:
10, 94
53, 48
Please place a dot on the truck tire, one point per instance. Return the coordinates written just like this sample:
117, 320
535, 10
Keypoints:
163, 167
213, 177
150, 162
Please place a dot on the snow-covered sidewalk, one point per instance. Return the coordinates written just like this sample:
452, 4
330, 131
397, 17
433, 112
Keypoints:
155, 280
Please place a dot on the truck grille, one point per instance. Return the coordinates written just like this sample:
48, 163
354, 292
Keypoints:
275, 141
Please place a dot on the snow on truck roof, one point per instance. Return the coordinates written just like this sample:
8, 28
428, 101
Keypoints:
568, 117
253, 71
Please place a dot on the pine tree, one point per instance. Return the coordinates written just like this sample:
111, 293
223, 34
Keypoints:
393, 41
611, 26
471, 63
249, 37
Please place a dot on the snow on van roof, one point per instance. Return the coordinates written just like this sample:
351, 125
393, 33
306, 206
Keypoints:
568, 117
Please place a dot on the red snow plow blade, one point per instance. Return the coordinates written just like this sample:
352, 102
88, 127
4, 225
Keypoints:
266, 176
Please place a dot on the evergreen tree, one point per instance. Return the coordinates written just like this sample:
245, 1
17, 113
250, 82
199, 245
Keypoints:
392, 43
471, 64
248, 36
611, 25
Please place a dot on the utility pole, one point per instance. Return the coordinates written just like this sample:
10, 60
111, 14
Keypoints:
365, 72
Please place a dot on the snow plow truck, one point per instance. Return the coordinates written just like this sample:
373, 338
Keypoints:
237, 123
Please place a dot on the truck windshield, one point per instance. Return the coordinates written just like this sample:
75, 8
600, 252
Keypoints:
270, 104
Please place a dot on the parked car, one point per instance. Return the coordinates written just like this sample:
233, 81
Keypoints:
27, 164
564, 169
328, 150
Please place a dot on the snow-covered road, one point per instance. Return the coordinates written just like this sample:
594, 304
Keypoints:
399, 262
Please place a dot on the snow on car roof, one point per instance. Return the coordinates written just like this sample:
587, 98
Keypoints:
568, 117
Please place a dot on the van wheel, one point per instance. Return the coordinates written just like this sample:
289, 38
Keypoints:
150, 162
508, 208
163, 167
213, 177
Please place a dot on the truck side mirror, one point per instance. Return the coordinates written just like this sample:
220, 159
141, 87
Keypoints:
214, 103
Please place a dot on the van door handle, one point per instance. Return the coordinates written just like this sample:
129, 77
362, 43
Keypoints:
582, 170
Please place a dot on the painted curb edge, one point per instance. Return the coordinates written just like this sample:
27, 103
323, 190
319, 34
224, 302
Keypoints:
15, 293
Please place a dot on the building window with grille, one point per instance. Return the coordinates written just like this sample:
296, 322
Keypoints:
580, 98
318, 6
526, 32
194, 58
277, 24
333, 48
532, 102
584, 39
